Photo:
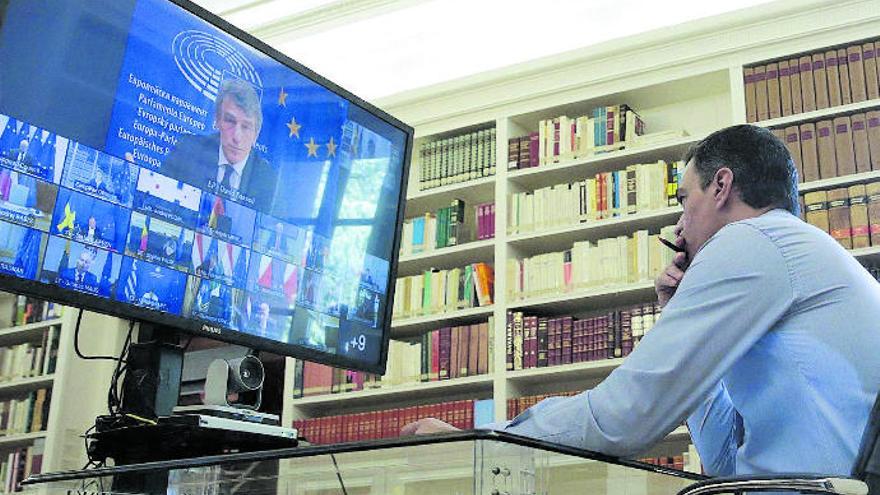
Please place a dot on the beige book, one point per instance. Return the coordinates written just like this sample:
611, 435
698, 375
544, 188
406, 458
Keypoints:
809, 152
751, 103
797, 99
872, 119
858, 216
872, 190
761, 92
843, 73
808, 87
785, 88
793, 143
825, 146
856, 73
861, 151
772, 77
833, 78
816, 208
843, 146
820, 80
872, 80
838, 216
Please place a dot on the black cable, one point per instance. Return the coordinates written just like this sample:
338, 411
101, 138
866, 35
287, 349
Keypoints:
76, 342
114, 401
338, 474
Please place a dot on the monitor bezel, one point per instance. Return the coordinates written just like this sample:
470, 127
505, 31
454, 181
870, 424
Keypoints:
196, 327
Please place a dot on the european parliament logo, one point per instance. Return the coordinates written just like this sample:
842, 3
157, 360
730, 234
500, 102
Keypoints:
203, 58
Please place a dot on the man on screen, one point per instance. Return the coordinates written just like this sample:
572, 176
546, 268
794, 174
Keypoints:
80, 274
226, 161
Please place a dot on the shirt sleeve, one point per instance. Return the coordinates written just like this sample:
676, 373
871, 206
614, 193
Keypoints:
717, 431
734, 291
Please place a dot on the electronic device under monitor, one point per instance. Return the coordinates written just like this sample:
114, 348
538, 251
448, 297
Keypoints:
158, 164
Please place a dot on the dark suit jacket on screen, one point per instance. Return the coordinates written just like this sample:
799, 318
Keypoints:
194, 161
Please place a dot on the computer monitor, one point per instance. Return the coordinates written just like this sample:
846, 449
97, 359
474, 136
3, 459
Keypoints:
158, 164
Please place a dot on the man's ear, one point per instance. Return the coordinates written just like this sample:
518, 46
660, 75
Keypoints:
722, 186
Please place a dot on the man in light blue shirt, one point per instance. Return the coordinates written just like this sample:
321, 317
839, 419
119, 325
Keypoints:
769, 340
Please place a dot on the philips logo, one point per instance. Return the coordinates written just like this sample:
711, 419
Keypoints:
210, 329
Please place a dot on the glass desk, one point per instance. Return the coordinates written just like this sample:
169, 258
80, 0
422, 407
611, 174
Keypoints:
461, 463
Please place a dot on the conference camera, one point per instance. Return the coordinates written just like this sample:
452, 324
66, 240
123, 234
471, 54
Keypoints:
235, 382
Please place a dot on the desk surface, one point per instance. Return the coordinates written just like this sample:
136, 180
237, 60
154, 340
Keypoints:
471, 462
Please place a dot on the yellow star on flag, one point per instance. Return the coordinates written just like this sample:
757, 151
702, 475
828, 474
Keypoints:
331, 148
69, 218
293, 126
282, 98
313, 147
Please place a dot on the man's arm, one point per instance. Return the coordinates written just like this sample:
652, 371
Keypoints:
735, 290
717, 431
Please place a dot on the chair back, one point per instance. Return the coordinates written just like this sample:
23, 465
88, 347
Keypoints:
867, 467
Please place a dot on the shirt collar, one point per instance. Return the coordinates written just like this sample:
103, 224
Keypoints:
238, 167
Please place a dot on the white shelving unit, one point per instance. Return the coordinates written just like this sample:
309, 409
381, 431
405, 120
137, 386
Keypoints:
688, 78
78, 387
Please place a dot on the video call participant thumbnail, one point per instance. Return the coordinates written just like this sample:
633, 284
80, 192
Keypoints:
26, 200
159, 242
226, 161
218, 260
89, 220
151, 286
21, 250
74, 266
280, 240
167, 198
226, 220
214, 302
268, 316
99, 174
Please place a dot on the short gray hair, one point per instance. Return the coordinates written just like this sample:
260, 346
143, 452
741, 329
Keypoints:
244, 95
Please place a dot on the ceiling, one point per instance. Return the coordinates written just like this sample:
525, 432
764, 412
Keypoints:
377, 48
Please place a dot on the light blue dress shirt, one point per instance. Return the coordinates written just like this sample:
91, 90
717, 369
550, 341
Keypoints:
770, 348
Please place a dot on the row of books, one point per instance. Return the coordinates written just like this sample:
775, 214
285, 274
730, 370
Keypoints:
442, 354
440, 291
457, 159
614, 260
564, 138
310, 378
32, 310
20, 463
823, 79
387, 423
539, 342
25, 415
850, 214
30, 359
638, 188
449, 226
846, 145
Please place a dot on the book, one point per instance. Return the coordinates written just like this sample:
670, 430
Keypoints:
839, 216
825, 147
872, 191
843, 74
856, 73
833, 77
872, 78
858, 216
761, 94
843, 144
785, 102
793, 143
809, 151
872, 119
816, 209
861, 151
820, 81
750, 95
808, 86
794, 70
773, 97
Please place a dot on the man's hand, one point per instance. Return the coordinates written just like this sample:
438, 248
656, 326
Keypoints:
426, 426
668, 280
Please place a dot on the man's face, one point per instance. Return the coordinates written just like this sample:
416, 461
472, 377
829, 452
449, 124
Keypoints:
92, 222
238, 131
263, 314
84, 262
700, 219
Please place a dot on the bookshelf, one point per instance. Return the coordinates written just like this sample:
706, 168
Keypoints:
689, 78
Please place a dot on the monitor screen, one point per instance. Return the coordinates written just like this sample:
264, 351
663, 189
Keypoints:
161, 165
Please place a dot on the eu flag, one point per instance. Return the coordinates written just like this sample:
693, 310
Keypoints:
9, 138
28, 253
